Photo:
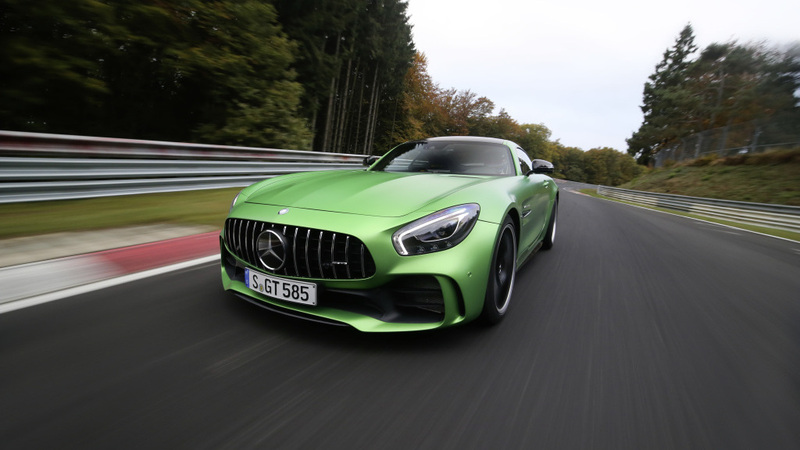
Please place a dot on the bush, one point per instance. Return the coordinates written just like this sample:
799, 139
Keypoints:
775, 157
702, 161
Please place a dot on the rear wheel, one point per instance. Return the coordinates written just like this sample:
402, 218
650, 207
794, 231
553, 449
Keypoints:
550, 236
501, 274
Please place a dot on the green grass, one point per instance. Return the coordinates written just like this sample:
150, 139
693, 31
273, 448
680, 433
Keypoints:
205, 207
770, 231
767, 178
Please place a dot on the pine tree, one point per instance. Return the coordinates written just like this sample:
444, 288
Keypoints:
665, 100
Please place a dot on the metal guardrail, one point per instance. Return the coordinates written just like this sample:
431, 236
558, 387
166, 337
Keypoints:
41, 167
781, 217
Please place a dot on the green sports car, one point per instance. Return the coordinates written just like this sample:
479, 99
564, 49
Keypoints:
430, 235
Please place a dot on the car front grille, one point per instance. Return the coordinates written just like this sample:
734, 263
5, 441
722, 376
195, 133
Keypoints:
309, 253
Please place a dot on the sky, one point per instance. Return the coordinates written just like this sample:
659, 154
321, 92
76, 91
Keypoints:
579, 66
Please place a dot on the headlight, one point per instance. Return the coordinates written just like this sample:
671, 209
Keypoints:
436, 232
233, 203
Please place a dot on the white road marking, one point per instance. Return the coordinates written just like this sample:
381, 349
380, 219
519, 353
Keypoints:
743, 230
53, 296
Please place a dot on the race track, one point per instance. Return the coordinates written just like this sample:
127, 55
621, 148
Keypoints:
638, 330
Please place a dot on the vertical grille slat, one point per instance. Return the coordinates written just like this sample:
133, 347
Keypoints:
363, 266
306, 259
233, 235
237, 224
319, 256
285, 270
333, 255
243, 240
228, 234
261, 229
257, 231
239, 235
294, 252
249, 242
253, 246
347, 256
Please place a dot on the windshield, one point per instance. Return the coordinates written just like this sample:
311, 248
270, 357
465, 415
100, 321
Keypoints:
454, 157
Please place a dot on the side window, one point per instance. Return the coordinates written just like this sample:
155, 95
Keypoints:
524, 161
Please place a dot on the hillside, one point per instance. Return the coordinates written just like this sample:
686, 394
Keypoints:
764, 178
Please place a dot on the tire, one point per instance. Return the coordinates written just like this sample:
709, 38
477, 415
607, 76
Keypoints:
550, 236
502, 274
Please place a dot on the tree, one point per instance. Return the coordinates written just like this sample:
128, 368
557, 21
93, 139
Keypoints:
744, 85
535, 139
354, 57
569, 164
50, 63
744, 92
420, 114
604, 166
393, 53
464, 110
320, 28
245, 61
664, 101
216, 71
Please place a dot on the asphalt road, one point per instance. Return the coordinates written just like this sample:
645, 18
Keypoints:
638, 330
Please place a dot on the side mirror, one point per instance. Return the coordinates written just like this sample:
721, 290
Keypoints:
370, 160
541, 166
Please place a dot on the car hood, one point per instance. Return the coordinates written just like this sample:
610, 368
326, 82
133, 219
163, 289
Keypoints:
361, 192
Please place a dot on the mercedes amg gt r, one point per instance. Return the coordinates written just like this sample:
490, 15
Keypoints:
430, 235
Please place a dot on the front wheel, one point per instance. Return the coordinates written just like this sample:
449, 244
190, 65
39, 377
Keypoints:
501, 274
550, 236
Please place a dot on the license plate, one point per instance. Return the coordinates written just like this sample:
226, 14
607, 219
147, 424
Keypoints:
282, 289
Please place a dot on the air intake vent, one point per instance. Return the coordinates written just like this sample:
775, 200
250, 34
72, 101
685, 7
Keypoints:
307, 252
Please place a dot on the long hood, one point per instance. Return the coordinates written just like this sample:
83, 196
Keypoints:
360, 192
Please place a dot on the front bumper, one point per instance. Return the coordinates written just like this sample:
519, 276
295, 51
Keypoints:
406, 293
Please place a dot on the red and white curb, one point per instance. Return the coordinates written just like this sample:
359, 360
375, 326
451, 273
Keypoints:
41, 282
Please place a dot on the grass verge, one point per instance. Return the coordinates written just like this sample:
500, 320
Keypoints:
763, 178
205, 207
764, 230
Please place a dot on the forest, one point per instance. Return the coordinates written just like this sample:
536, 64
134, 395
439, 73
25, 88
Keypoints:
750, 88
296, 74
337, 76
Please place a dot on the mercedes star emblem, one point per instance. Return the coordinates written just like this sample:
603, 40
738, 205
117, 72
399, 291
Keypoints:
272, 249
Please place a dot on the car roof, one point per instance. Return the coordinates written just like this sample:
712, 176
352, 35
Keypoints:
467, 138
